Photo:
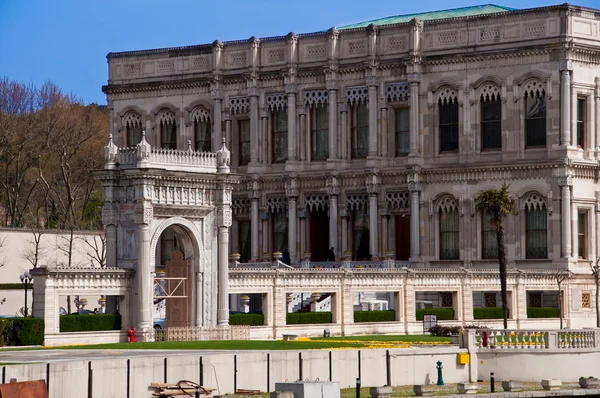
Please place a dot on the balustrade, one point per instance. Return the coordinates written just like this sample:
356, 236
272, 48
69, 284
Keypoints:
485, 339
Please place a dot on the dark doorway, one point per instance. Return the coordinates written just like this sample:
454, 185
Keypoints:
403, 237
319, 235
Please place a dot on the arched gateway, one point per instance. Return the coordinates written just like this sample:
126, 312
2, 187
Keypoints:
167, 215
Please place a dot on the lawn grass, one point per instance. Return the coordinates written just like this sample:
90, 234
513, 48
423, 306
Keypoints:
304, 344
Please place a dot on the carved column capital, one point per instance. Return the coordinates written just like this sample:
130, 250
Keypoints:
144, 212
372, 81
565, 181
332, 84
110, 216
414, 186
253, 91
291, 188
565, 65
224, 216
291, 88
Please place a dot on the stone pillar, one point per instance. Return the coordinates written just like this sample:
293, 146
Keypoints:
415, 230
291, 191
253, 93
291, 90
223, 223
266, 255
344, 137
565, 103
332, 86
254, 195
264, 120
110, 221
228, 132
143, 276
373, 187
565, 214
414, 115
384, 212
384, 150
344, 217
217, 117
373, 130
303, 134
302, 218
333, 191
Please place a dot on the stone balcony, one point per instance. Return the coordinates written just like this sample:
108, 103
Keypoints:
307, 264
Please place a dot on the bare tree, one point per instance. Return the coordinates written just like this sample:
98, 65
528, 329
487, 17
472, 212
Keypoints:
66, 247
97, 245
35, 251
560, 275
2, 247
595, 268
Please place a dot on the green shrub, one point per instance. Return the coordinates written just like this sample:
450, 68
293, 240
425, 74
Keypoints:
439, 330
374, 316
543, 312
489, 313
90, 323
21, 331
15, 286
247, 319
443, 314
306, 318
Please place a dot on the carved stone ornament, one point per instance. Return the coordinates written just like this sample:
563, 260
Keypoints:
333, 187
110, 151
144, 213
565, 181
110, 217
372, 81
414, 186
291, 188
253, 188
224, 217
373, 184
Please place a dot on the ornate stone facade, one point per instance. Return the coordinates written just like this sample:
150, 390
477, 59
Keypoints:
428, 111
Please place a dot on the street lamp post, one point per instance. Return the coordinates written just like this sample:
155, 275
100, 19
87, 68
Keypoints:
26, 278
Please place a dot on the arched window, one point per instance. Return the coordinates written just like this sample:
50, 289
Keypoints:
536, 227
448, 120
133, 128
449, 222
535, 114
491, 117
168, 130
202, 130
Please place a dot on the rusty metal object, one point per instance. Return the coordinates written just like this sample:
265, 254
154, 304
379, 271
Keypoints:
24, 389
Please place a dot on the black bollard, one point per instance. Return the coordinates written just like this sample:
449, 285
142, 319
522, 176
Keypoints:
358, 387
492, 386
197, 391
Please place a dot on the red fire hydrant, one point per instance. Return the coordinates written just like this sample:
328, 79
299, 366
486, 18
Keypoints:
484, 339
131, 335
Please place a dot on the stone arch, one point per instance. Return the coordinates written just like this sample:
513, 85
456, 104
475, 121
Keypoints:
132, 108
446, 202
165, 106
531, 75
489, 91
533, 200
446, 95
192, 229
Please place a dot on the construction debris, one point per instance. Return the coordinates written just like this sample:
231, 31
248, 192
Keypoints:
183, 388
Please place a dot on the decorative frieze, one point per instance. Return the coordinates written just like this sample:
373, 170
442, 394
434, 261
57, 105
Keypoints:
200, 114
315, 51
132, 69
489, 33
534, 29
357, 95
166, 66
316, 202
315, 98
200, 63
398, 200
276, 204
238, 58
397, 92
276, 101
239, 105
276, 55
357, 201
241, 206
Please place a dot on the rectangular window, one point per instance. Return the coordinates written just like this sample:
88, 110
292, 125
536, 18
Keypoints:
581, 106
360, 131
280, 231
402, 131
534, 299
134, 134
490, 300
360, 234
586, 300
448, 125
449, 235
168, 135
202, 135
535, 120
280, 135
244, 140
491, 124
581, 234
535, 233
244, 240
319, 132
489, 240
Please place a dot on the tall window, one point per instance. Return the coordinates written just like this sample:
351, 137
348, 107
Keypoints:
448, 108
244, 141
536, 232
449, 234
244, 240
360, 233
581, 234
168, 244
581, 105
402, 131
535, 118
491, 122
360, 130
133, 127
280, 230
280, 135
168, 130
202, 134
319, 132
489, 242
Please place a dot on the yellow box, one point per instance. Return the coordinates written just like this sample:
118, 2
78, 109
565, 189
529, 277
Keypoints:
463, 358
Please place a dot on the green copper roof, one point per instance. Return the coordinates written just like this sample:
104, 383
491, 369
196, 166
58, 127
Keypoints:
428, 16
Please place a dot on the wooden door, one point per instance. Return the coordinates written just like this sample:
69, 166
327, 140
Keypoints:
403, 237
178, 309
319, 235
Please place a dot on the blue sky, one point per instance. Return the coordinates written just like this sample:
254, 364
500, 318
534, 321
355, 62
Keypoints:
66, 41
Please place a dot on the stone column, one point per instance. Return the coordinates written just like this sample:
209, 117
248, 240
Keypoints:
373, 130
303, 134
266, 255
228, 132
414, 115
223, 222
217, 118
302, 218
384, 213
291, 90
143, 276
373, 187
344, 217
264, 120
110, 221
254, 195
332, 86
565, 214
565, 103
253, 93
291, 191
415, 230
384, 150
344, 138
333, 190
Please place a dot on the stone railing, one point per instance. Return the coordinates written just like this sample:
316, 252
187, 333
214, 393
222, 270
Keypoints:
307, 264
487, 339
166, 158
193, 333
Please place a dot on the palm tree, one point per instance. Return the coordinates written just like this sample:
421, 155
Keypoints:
498, 203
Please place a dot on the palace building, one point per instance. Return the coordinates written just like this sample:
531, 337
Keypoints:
374, 139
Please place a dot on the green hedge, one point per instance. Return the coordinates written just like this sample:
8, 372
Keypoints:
374, 316
15, 286
305, 318
543, 312
443, 314
90, 323
247, 319
489, 313
21, 331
